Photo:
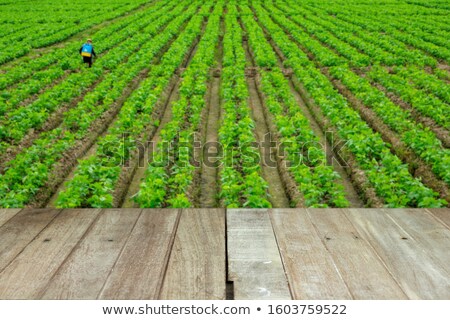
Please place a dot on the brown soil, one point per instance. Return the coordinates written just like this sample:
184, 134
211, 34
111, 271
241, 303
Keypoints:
278, 191
130, 178
69, 160
355, 174
209, 173
353, 180
209, 180
440, 132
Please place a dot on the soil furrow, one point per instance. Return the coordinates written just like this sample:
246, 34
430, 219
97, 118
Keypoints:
341, 166
67, 164
66, 167
440, 132
269, 166
55, 119
209, 181
417, 166
131, 177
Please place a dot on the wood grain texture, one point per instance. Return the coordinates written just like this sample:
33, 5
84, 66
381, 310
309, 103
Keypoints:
20, 230
85, 271
254, 261
30, 272
442, 214
6, 214
196, 268
360, 267
139, 270
430, 235
418, 275
311, 271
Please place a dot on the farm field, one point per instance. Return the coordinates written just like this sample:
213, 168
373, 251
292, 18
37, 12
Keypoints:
249, 103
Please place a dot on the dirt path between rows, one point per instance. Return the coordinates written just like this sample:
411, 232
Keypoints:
270, 173
139, 174
345, 180
131, 185
209, 179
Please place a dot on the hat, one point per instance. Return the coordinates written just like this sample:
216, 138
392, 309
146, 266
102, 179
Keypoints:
89, 40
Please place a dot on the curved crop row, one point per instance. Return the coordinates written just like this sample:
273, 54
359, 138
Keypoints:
425, 81
426, 104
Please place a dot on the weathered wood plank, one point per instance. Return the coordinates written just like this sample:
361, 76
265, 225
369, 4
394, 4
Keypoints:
30, 272
310, 269
410, 265
254, 261
140, 269
85, 271
442, 214
431, 235
20, 230
196, 268
360, 267
6, 214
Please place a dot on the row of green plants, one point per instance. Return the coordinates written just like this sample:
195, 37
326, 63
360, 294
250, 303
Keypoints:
13, 28
95, 177
420, 139
241, 182
12, 98
31, 169
169, 179
316, 180
385, 171
17, 123
425, 31
428, 105
424, 81
402, 22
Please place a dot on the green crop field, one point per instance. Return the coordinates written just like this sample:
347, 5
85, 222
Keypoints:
251, 103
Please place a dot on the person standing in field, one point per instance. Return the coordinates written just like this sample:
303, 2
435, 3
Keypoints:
87, 52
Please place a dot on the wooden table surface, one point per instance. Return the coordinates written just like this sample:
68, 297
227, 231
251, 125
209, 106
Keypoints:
225, 254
